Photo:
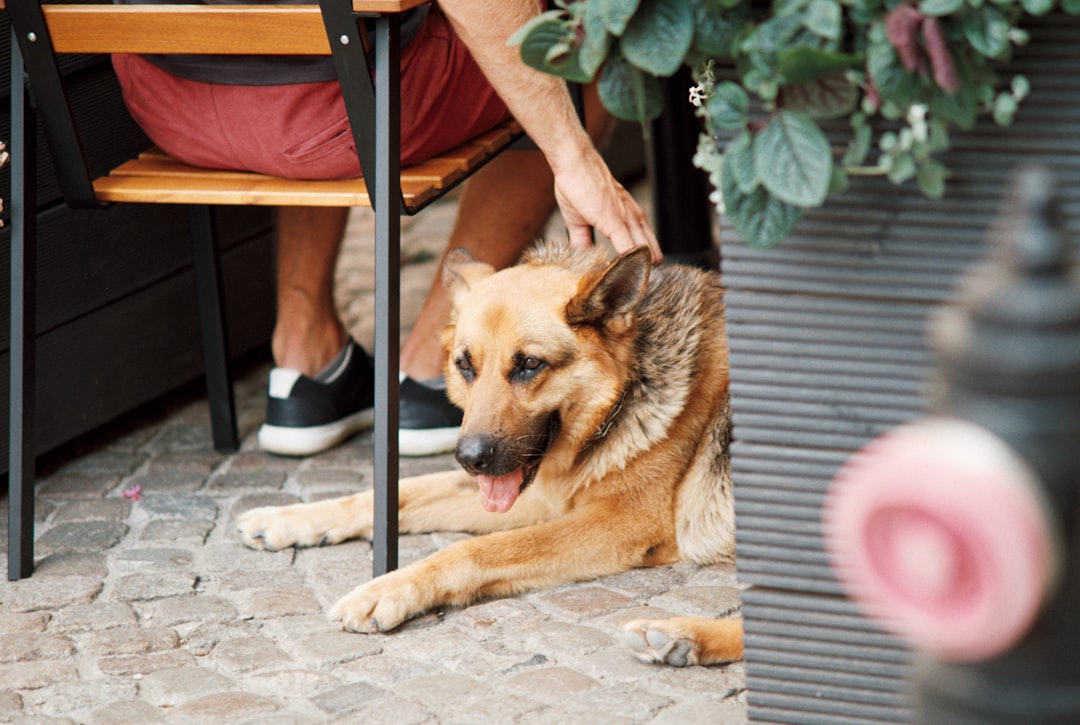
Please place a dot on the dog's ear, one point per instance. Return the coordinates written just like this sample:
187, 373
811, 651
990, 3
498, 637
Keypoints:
610, 298
461, 271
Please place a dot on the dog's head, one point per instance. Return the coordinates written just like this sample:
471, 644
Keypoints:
538, 354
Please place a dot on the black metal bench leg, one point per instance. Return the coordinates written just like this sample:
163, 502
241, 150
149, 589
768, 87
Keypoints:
212, 322
387, 292
21, 371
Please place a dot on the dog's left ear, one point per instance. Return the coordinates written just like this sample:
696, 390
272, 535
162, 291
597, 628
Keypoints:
461, 270
611, 297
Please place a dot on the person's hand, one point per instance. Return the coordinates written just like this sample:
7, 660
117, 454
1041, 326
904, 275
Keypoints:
590, 197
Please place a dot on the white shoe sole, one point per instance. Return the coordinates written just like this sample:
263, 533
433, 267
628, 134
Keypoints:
307, 441
427, 442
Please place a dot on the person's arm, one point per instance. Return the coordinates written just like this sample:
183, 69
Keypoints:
587, 194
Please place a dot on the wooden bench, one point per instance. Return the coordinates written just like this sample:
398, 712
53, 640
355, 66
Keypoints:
333, 27
154, 177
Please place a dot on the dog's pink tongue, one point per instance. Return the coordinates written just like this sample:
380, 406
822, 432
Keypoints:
498, 493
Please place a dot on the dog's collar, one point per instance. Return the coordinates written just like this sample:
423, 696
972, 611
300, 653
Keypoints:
605, 427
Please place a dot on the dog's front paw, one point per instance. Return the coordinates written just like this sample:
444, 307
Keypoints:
378, 606
278, 527
658, 641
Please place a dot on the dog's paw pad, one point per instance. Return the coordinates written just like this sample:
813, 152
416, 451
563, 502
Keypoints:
651, 644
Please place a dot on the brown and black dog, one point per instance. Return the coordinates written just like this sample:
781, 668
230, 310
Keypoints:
594, 441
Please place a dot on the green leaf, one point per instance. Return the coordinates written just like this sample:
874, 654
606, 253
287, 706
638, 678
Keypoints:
773, 35
961, 108
597, 40
891, 80
939, 136
716, 28
628, 93
902, 168
794, 159
659, 36
728, 105
859, 146
830, 96
931, 179
1005, 108
1072, 7
823, 18
1037, 7
548, 46
739, 155
759, 218
839, 182
987, 29
616, 13
803, 63
541, 19
940, 7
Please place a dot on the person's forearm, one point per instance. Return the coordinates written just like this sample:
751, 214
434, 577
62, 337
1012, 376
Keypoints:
540, 102
588, 195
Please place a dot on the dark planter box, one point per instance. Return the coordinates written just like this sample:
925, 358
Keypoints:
116, 318
827, 352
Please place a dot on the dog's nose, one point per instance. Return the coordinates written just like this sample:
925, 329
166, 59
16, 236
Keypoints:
477, 453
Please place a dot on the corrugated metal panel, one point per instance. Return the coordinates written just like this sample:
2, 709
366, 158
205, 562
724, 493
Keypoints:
817, 661
827, 351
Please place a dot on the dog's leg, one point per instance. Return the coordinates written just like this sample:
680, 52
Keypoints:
600, 539
307, 524
682, 641
446, 501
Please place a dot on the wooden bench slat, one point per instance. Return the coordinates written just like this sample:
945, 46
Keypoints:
439, 173
156, 177
225, 29
359, 6
497, 138
265, 191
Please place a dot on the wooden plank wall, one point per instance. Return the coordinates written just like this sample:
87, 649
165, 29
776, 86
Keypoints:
827, 352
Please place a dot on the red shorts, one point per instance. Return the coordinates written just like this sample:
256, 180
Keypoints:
301, 131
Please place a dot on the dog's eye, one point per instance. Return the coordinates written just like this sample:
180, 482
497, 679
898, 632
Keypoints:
465, 367
527, 367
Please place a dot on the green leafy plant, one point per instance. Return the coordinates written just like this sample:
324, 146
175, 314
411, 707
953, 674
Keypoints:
903, 73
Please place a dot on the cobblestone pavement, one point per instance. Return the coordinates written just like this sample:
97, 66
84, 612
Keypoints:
151, 610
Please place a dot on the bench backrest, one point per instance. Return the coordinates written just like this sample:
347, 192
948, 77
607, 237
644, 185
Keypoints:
44, 30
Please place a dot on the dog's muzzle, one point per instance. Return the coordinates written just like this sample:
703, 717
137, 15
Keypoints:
483, 454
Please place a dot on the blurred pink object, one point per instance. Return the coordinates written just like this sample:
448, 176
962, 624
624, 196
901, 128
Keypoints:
938, 529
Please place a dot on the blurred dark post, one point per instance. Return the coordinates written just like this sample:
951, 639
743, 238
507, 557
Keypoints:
681, 209
1015, 371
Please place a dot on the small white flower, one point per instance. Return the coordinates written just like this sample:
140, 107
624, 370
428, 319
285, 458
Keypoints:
916, 119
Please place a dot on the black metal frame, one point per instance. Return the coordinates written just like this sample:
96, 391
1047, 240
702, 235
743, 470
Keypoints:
374, 113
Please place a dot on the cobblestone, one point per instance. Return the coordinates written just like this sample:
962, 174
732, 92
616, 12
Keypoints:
51, 593
150, 609
34, 646
140, 587
95, 616
81, 536
169, 688
29, 622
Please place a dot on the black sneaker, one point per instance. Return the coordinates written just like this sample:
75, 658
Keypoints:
309, 415
429, 422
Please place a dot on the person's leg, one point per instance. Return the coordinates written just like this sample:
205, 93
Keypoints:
502, 208
321, 390
308, 333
